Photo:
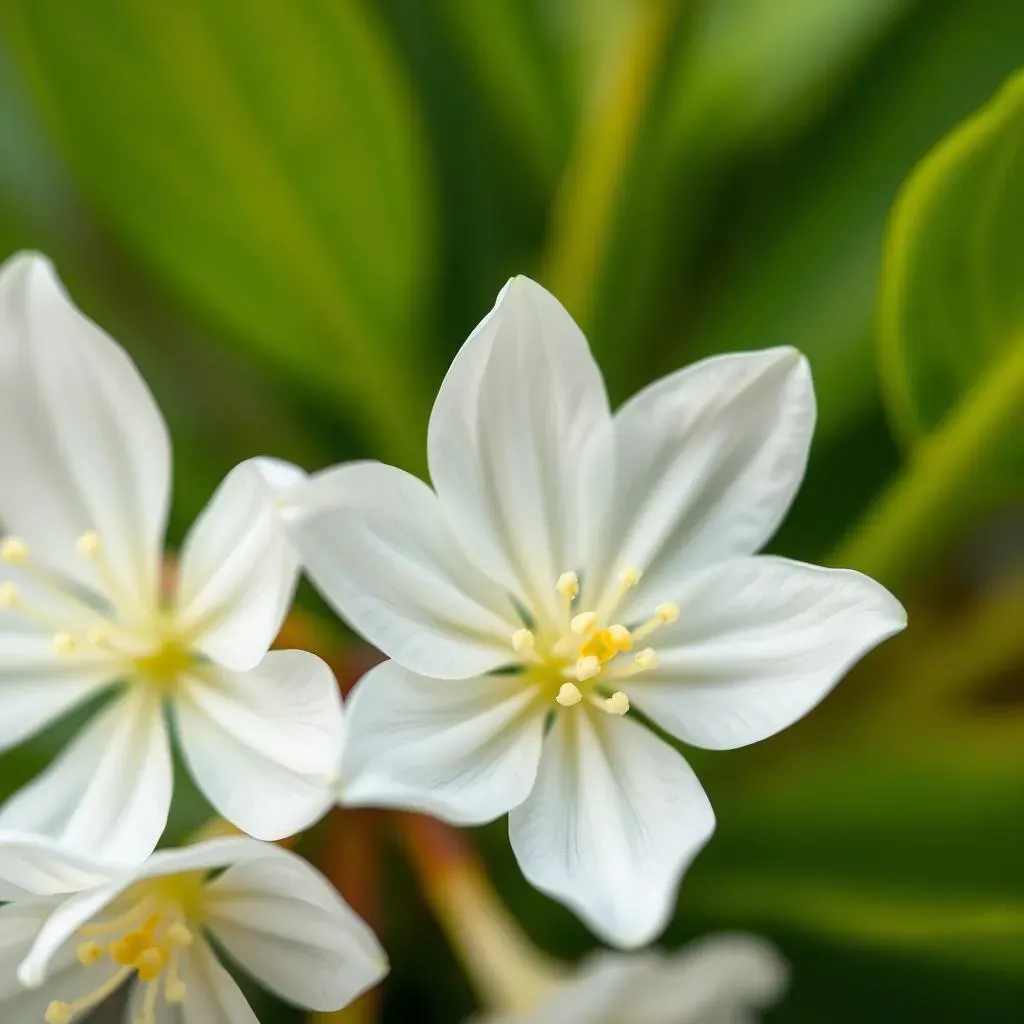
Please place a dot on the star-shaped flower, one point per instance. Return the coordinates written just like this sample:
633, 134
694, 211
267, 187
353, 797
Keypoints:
84, 490
570, 565
723, 979
77, 930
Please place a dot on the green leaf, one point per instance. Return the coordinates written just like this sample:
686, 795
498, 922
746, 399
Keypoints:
952, 303
952, 342
264, 161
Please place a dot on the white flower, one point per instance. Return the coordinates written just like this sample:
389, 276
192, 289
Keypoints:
78, 930
570, 565
84, 490
723, 979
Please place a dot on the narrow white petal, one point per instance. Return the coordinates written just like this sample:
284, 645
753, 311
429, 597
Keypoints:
706, 463
38, 685
466, 750
238, 568
209, 855
211, 993
375, 542
265, 746
85, 447
758, 643
32, 865
615, 819
64, 920
522, 403
109, 792
19, 925
288, 928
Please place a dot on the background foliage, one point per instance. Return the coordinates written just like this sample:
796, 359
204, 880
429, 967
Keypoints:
292, 214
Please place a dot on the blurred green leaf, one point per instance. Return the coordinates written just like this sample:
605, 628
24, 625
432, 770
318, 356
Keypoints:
805, 272
264, 160
952, 341
952, 303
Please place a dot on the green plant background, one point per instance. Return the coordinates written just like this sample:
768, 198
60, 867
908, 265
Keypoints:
292, 214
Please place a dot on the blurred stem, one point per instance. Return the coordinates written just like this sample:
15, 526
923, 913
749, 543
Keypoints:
936, 496
351, 862
506, 970
585, 209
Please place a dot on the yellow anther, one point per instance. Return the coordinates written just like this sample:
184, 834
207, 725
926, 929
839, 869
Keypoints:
522, 641
667, 612
178, 937
89, 544
150, 963
617, 703
583, 623
647, 658
14, 551
63, 643
587, 667
174, 991
98, 636
568, 695
59, 1013
125, 951
620, 637
630, 575
9, 595
568, 585
89, 953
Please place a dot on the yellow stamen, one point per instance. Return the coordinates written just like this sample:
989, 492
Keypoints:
89, 953
137, 915
587, 667
568, 585
620, 638
569, 695
630, 576
128, 948
64, 643
668, 611
147, 1012
522, 641
174, 990
583, 623
14, 551
150, 963
89, 545
617, 703
179, 937
9, 595
64, 1013
647, 659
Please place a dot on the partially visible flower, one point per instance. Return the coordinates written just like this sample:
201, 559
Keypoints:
722, 979
569, 565
84, 491
78, 930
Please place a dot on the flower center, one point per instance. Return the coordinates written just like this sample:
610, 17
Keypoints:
84, 625
145, 940
586, 656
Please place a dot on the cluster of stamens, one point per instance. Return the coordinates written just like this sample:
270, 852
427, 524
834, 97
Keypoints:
145, 942
88, 624
588, 657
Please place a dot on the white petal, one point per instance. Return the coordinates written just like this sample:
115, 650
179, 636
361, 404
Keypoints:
211, 993
758, 643
238, 568
723, 978
264, 745
59, 928
85, 448
375, 542
33, 866
288, 928
109, 792
706, 463
615, 819
466, 750
19, 925
522, 402
38, 685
